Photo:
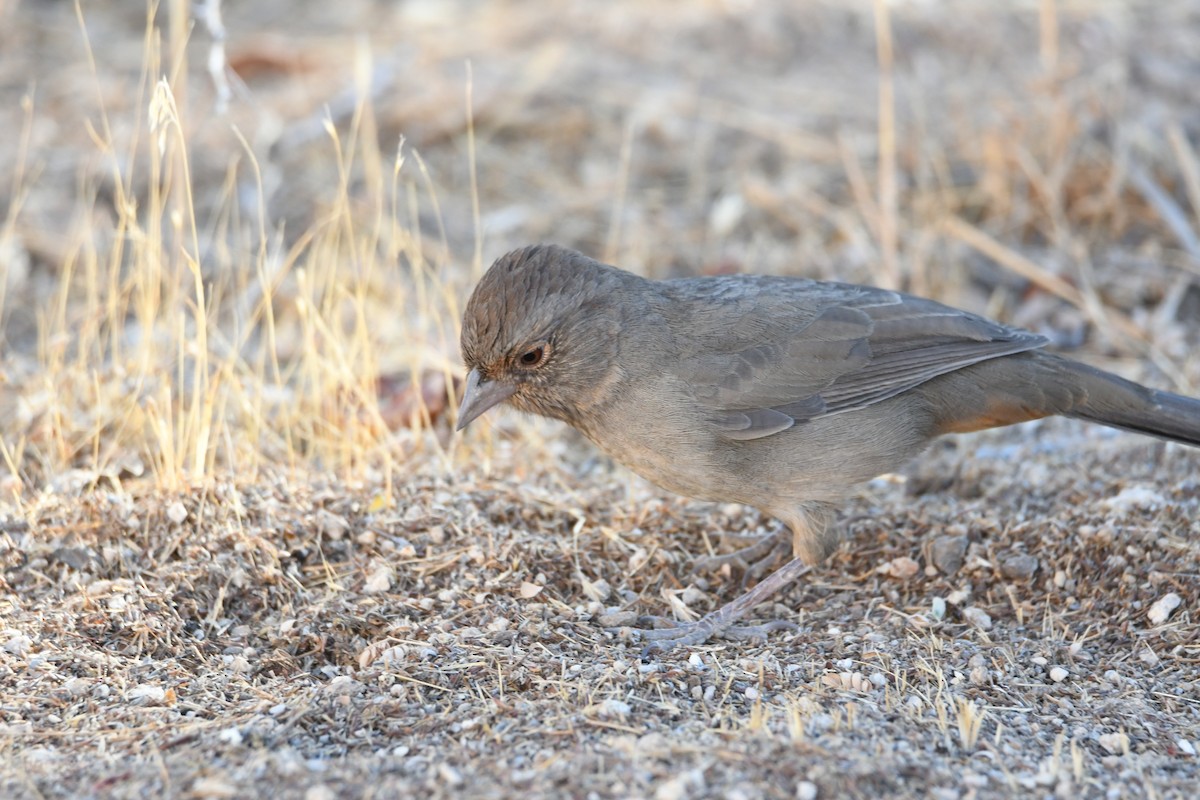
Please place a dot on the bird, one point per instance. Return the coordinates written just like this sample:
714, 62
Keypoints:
779, 393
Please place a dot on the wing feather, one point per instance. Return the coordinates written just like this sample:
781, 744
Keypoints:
806, 349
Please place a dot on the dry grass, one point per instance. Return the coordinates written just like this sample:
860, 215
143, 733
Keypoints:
239, 555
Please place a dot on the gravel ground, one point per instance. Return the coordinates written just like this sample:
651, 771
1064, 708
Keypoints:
1015, 616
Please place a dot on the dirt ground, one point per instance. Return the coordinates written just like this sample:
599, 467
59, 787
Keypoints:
242, 556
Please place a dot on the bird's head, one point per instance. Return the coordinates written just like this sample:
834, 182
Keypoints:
541, 332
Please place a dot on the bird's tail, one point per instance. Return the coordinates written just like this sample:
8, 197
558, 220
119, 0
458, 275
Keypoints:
1026, 386
1116, 402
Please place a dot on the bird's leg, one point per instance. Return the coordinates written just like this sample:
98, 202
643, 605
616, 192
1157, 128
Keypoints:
720, 622
809, 523
754, 560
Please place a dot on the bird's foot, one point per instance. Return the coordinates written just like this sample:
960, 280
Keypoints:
666, 633
720, 622
754, 560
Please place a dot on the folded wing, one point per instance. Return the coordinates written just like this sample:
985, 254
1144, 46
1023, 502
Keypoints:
852, 347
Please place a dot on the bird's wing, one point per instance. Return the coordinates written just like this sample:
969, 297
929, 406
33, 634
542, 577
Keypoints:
805, 350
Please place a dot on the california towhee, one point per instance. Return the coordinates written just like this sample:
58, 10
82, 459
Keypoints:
779, 393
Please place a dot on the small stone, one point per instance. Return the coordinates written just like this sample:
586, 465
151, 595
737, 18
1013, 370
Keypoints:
1059, 674
176, 512
18, 644
1163, 607
725, 214
330, 525
1134, 497
380, 579
614, 709
1019, 567
902, 568
451, 776
977, 618
673, 789
146, 695
947, 553
320, 792
230, 736
938, 608
1115, 743
598, 590
213, 787
77, 558
806, 790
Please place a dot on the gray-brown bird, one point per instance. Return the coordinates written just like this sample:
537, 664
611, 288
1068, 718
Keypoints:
779, 393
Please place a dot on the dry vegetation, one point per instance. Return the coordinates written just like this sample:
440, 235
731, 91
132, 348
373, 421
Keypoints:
242, 553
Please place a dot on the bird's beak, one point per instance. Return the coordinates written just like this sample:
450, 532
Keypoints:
479, 396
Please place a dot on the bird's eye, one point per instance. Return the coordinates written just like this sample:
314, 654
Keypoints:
533, 357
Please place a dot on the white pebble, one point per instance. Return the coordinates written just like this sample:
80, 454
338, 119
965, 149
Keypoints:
146, 694
230, 736
1162, 608
1134, 497
1059, 674
176, 512
1115, 743
613, 708
939, 608
978, 618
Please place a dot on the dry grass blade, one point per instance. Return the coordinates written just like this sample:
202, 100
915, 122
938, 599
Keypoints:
1105, 319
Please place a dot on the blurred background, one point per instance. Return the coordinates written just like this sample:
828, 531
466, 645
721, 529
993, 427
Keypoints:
241, 234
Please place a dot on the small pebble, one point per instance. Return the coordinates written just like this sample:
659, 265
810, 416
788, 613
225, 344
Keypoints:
176, 512
947, 553
978, 618
1163, 608
1059, 674
1019, 567
1115, 743
230, 736
451, 776
902, 568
